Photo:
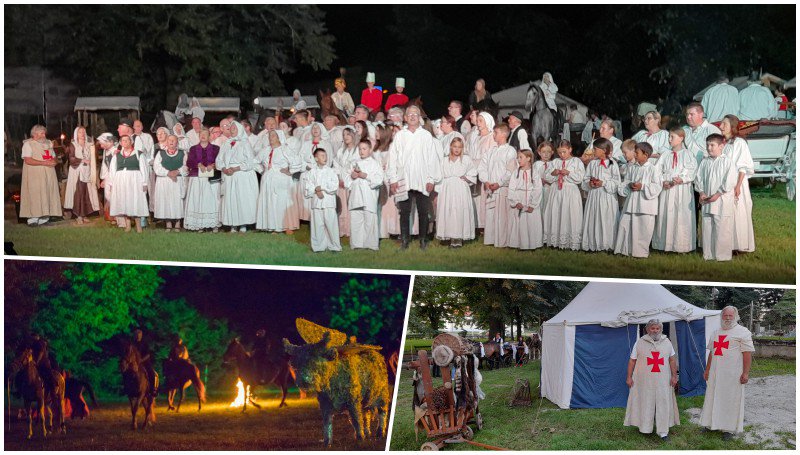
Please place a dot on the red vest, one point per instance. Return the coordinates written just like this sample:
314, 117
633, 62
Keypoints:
372, 99
395, 99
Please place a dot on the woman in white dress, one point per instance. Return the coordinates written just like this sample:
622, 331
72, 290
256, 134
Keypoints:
564, 212
542, 167
276, 163
343, 165
738, 151
128, 179
676, 228
81, 192
601, 182
239, 182
202, 193
162, 134
455, 208
654, 135
170, 169
318, 139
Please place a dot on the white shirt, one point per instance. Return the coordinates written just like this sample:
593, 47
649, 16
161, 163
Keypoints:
414, 156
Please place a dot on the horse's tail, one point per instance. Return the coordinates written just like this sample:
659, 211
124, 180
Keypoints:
198, 383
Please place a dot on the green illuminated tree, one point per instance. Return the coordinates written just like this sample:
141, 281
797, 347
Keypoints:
372, 310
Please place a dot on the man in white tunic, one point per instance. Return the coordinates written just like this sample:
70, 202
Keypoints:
414, 168
364, 182
494, 170
720, 100
641, 187
727, 371
697, 130
39, 196
756, 102
651, 401
715, 182
321, 185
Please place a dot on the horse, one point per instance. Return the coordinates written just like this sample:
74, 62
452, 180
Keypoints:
491, 353
535, 345
253, 371
180, 374
328, 107
544, 121
137, 386
167, 120
46, 391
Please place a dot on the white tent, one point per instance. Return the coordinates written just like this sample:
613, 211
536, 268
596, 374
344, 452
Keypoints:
514, 99
603, 318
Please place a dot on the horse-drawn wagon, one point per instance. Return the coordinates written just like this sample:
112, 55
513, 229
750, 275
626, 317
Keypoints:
773, 147
102, 113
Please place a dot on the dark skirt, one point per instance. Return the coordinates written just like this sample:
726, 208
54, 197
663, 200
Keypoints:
82, 205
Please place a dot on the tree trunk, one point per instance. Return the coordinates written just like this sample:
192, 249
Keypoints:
495, 326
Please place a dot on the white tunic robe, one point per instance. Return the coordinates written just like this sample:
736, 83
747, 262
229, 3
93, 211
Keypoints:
757, 102
676, 227
343, 164
723, 406
659, 140
639, 212
602, 207
455, 208
275, 192
695, 140
525, 228
651, 401
170, 195
363, 204
719, 101
496, 167
324, 222
717, 175
307, 149
240, 190
415, 158
563, 216
743, 237
478, 147
541, 169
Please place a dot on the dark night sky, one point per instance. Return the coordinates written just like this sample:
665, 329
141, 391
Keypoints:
253, 299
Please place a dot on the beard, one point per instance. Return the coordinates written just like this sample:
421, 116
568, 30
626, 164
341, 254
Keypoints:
727, 325
654, 336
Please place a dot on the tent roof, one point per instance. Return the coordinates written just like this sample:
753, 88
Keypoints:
516, 96
601, 303
219, 104
107, 103
740, 83
286, 102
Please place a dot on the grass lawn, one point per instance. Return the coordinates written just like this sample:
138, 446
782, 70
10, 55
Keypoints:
521, 428
772, 262
216, 427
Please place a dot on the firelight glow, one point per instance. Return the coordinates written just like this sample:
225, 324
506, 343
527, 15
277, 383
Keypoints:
241, 394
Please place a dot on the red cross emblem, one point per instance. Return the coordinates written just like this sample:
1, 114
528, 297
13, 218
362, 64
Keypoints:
46, 155
721, 344
656, 361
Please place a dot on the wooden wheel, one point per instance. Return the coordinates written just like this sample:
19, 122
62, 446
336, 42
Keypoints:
467, 433
429, 446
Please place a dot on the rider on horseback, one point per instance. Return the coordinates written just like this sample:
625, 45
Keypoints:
45, 363
179, 350
261, 350
146, 359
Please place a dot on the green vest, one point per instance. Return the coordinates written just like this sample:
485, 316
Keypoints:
171, 163
130, 163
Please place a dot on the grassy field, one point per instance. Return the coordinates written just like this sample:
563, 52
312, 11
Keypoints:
773, 261
216, 427
523, 428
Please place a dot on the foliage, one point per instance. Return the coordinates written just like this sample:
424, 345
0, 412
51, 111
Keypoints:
370, 310
159, 51
765, 301
783, 314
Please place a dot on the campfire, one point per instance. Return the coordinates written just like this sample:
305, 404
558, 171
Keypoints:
241, 394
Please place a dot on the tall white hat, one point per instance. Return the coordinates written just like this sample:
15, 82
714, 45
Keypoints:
400, 82
371, 77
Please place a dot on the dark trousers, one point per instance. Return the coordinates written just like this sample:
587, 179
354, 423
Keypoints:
424, 209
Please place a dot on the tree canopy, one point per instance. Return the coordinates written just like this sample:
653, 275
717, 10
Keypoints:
372, 310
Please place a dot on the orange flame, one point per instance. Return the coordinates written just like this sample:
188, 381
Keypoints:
241, 395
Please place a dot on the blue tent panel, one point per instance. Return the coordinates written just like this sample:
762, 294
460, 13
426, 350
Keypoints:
691, 338
601, 361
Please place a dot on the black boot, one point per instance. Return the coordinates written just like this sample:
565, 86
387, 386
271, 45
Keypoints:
404, 242
423, 242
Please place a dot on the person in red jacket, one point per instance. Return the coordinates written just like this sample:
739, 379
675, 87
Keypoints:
370, 96
399, 98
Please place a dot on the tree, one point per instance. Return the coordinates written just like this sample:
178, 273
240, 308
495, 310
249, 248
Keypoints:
783, 315
159, 51
433, 302
372, 310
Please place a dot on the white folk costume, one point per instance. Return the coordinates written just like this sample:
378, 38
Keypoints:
455, 208
202, 194
723, 406
717, 175
496, 167
362, 203
151, 175
525, 228
602, 207
80, 195
695, 140
39, 195
446, 140
676, 227
658, 140
638, 219
343, 163
307, 149
129, 177
240, 190
549, 91
562, 218
343, 102
651, 400
719, 101
541, 168
193, 138
477, 147
105, 174
757, 102
324, 221
743, 237
170, 194
275, 194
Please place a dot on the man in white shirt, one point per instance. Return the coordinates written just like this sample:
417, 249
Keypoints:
414, 168
193, 135
698, 130
720, 100
756, 102
455, 109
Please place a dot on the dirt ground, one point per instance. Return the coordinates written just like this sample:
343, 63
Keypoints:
216, 427
769, 412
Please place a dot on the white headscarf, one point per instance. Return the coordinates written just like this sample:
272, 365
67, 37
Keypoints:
324, 134
86, 174
489, 120
241, 134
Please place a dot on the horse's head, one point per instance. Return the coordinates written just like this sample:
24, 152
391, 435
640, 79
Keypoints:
534, 97
22, 360
130, 358
235, 352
